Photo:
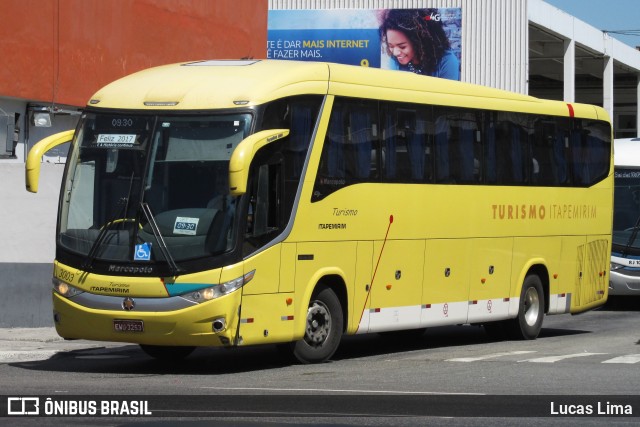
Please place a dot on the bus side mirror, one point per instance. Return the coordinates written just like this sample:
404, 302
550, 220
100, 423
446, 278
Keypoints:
34, 159
243, 155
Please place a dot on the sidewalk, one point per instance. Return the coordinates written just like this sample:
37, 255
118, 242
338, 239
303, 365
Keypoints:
30, 344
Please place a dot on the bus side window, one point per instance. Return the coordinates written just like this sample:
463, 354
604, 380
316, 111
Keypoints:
543, 152
350, 153
443, 132
265, 217
489, 149
360, 142
302, 120
597, 149
406, 144
580, 169
464, 147
513, 158
416, 140
390, 144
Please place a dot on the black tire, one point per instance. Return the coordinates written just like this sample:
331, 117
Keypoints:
496, 331
528, 323
323, 330
168, 353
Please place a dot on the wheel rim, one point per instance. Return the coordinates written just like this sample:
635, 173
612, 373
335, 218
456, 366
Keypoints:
531, 306
318, 324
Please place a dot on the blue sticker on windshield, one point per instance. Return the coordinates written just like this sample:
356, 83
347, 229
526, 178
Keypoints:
142, 252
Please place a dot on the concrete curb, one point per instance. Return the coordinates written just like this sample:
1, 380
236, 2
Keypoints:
31, 344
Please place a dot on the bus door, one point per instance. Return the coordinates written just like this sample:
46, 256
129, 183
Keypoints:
267, 309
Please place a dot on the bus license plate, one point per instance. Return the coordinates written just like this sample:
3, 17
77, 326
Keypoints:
128, 325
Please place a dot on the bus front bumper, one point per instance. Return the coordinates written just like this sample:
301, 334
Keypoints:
212, 323
623, 284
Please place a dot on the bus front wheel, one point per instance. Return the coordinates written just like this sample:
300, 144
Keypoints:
323, 329
528, 323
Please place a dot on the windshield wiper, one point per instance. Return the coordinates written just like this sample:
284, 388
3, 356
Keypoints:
93, 252
632, 237
124, 202
173, 267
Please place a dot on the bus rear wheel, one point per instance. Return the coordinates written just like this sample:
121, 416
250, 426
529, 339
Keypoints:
167, 353
528, 323
323, 330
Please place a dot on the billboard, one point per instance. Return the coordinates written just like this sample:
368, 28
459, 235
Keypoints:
423, 41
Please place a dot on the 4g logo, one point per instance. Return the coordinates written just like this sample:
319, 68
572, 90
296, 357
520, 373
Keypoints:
23, 406
432, 17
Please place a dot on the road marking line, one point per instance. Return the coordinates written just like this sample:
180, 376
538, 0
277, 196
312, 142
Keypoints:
323, 390
630, 358
102, 356
553, 359
489, 356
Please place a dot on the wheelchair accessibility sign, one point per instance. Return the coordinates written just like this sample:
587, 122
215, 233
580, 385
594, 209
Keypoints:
142, 252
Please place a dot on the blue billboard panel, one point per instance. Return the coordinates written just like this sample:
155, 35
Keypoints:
353, 47
422, 41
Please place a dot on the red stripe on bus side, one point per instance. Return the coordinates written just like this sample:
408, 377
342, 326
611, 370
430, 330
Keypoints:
571, 113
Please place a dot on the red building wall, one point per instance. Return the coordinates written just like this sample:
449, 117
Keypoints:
63, 51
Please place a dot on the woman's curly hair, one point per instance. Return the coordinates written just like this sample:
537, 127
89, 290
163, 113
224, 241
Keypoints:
427, 35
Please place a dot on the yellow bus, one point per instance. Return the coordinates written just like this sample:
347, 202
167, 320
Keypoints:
234, 203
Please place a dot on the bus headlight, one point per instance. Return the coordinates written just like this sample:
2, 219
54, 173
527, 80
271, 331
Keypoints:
65, 289
614, 266
217, 291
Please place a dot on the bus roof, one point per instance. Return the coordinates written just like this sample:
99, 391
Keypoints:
626, 152
204, 85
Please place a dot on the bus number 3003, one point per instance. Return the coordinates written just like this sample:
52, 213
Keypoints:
65, 275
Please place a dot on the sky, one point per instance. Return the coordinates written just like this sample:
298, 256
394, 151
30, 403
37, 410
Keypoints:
610, 15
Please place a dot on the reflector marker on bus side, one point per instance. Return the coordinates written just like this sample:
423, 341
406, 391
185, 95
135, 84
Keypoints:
247, 320
284, 318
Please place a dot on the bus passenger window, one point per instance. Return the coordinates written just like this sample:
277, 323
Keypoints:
442, 150
360, 143
405, 144
350, 154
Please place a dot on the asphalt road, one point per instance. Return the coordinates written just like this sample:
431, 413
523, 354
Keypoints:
446, 376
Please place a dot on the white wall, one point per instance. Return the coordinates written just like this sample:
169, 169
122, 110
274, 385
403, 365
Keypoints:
28, 220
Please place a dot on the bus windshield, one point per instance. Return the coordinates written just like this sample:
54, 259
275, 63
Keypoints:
626, 207
150, 189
